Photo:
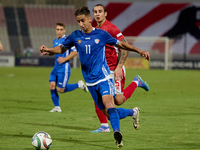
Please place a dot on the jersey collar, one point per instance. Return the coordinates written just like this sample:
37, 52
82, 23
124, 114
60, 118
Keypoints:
62, 37
90, 32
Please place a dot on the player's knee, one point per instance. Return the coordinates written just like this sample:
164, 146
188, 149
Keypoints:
60, 90
117, 103
52, 86
119, 99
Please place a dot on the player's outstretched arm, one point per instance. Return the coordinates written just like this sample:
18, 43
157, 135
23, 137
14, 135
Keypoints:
122, 60
50, 51
69, 57
129, 47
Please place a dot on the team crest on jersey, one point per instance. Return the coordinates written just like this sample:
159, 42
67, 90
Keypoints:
79, 41
96, 41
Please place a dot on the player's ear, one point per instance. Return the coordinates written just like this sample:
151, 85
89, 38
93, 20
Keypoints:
90, 19
105, 14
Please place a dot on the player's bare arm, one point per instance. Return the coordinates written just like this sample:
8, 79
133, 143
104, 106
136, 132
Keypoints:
123, 56
50, 51
69, 57
126, 46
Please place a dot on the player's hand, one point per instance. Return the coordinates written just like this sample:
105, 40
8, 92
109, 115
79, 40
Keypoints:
61, 60
146, 55
44, 53
43, 48
118, 72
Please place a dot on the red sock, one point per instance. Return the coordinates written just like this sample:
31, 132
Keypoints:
101, 116
128, 91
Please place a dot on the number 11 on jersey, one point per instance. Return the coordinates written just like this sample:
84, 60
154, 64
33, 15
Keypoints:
87, 49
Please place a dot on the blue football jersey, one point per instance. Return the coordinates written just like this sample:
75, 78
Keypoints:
61, 67
91, 49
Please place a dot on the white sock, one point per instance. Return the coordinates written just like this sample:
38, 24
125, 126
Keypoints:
136, 82
57, 106
105, 124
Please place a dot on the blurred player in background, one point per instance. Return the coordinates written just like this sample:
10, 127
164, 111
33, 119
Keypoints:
28, 51
116, 66
1, 46
60, 74
90, 43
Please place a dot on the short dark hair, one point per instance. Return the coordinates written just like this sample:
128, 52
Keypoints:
82, 11
60, 24
100, 5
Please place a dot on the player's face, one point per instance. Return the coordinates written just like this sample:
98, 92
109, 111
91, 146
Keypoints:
99, 14
60, 31
85, 23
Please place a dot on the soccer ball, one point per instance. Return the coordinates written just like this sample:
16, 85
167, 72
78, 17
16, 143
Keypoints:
41, 140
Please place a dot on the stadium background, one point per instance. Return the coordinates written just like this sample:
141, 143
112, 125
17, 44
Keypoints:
32, 22
170, 111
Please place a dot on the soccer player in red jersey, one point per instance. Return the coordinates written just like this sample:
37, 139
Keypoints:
116, 66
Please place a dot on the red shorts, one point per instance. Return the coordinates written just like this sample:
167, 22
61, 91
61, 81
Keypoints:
119, 84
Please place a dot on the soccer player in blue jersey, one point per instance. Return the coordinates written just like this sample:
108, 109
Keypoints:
60, 74
90, 43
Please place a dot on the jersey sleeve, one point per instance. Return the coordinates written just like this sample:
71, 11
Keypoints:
116, 33
67, 43
73, 49
110, 40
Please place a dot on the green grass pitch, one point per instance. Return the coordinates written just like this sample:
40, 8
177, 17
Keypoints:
170, 112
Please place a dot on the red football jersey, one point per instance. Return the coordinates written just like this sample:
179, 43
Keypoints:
111, 51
